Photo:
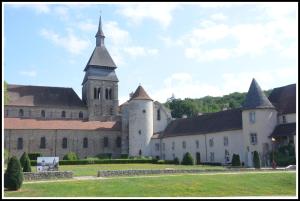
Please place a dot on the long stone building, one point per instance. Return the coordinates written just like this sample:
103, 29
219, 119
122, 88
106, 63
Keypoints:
54, 121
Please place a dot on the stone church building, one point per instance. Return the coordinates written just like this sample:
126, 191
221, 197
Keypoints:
54, 121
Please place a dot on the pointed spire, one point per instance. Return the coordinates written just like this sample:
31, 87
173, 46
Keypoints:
140, 94
256, 98
100, 35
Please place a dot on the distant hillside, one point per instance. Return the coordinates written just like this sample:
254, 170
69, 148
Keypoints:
191, 107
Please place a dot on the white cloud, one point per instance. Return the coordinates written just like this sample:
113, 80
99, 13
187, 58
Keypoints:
39, 8
184, 85
218, 17
71, 43
250, 39
62, 12
135, 51
31, 73
117, 35
87, 26
160, 12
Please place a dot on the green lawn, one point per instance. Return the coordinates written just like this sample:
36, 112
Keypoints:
92, 170
245, 184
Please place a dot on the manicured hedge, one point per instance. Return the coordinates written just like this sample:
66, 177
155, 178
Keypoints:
164, 162
33, 156
101, 161
211, 163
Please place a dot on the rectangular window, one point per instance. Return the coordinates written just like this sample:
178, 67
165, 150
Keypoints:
105, 141
64, 143
225, 141
253, 138
252, 117
43, 143
212, 156
173, 145
197, 144
20, 143
95, 93
211, 142
183, 144
158, 114
156, 146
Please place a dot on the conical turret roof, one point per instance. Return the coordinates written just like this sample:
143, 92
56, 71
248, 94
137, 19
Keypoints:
140, 94
256, 99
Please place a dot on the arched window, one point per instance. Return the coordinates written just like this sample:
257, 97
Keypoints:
118, 142
43, 143
85, 142
105, 142
43, 114
158, 114
20, 143
99, 94
95, 93
106, 94
63, 114
64, 143
80, 115
110, 94
21, 112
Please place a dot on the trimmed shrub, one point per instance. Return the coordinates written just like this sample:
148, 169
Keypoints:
187, 159
124, 156
13, 177
283, 160
6, 156
25, 162
212, 163
104, 156
236, 160
70, 156
176, 161
160, 162
256, 160
33, 156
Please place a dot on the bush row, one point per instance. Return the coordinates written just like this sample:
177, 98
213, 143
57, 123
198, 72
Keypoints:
100, 161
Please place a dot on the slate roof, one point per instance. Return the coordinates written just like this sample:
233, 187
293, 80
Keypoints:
255, 98
284, 99
288, 129
100, 58
101, 74
206, 123
22, 95
18, 123
140, 94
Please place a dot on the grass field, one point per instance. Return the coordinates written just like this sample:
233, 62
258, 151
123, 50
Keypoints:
245, 184
91, 170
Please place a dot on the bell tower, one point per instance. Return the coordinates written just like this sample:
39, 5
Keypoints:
100, 83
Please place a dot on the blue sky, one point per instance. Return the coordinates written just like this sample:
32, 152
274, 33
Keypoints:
189, 50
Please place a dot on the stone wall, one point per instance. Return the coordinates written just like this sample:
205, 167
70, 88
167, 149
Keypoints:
29, 176
111, 173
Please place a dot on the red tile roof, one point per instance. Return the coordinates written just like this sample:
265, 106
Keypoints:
18, 123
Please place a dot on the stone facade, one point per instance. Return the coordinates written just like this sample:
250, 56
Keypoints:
50, 112
54, 138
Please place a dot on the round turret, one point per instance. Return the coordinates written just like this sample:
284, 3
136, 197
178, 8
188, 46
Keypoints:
140, 123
